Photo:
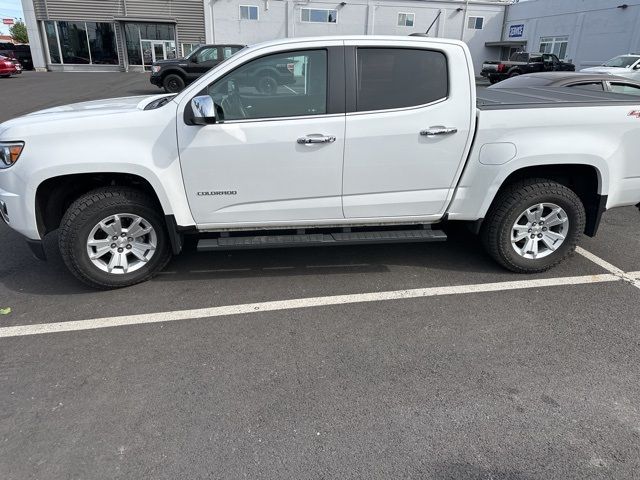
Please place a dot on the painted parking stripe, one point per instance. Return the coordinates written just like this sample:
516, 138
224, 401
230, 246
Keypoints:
173, 316
629, 277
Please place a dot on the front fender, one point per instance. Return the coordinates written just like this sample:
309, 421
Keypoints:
137, 142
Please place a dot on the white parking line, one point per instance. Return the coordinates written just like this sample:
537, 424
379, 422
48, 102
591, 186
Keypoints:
629, 277
38, 329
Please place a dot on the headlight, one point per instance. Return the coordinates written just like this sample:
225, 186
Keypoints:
155, 68
9, 153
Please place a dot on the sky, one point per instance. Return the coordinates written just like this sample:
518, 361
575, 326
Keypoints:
9, 9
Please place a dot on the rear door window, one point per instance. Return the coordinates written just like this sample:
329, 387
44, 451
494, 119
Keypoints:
399, 77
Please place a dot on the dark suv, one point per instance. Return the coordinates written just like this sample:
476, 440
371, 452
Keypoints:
173, 75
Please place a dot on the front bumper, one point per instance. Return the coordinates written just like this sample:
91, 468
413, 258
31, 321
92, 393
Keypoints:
9, 215
156, 80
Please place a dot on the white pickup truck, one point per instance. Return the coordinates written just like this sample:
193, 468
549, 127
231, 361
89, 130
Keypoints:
367, 139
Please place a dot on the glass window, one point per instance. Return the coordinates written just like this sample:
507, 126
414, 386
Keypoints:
625, 88
132, 39
475, 23
597, 86
622, 61
405, 19
248, 12
102, 43
399, 77
52, 41
138, 36
207, 54
316, 15
280, 85
73, 42
555, 45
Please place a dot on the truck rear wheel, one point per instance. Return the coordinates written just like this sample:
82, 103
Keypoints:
533, 225
114, 237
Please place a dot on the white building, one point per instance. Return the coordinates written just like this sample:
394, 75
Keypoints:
130, 34
249, 21
584, 32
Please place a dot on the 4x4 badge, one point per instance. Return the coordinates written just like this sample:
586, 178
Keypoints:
634, 113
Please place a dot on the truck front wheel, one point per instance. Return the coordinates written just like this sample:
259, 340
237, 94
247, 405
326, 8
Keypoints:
173, 83
114, 237
533, 225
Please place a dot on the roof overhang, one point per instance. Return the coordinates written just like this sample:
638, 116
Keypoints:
146, 19
510, 43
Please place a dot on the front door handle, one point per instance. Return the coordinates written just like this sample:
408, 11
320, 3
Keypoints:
438, 130
316, 138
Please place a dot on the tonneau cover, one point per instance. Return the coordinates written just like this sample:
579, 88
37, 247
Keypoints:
540, 97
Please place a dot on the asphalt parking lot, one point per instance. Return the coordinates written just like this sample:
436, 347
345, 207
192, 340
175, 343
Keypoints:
365, 366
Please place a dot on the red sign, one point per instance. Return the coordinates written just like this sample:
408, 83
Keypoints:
7, 21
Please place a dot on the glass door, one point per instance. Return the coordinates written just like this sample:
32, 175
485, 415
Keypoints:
152, 51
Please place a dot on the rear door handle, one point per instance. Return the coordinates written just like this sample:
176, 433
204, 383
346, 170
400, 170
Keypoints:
316, 138
438, 130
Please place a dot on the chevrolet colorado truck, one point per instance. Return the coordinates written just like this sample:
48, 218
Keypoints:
378, 139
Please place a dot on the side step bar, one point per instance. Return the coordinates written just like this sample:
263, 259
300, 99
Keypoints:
320, 239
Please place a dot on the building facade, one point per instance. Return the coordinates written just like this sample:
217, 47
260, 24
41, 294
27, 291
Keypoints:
111, 34
584, 32
129, 35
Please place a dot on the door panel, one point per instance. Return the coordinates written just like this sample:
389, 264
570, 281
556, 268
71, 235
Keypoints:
251, 168
390, 169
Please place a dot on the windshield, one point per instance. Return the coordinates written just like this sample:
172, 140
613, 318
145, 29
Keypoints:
623, 61
192, 52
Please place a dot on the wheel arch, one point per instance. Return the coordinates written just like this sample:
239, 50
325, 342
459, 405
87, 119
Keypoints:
584, 179
174, 71
55, 194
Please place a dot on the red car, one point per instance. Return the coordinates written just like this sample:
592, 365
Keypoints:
9, 67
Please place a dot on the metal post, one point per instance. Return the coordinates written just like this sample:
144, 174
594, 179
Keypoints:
464, 19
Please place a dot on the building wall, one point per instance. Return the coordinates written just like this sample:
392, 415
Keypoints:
597, 29
282, 18
218, 21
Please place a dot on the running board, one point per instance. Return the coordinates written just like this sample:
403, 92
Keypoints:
320, 239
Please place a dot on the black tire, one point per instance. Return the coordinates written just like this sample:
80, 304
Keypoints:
173, 83
91, 208
514, 74
267, 84
508, 206
493, 81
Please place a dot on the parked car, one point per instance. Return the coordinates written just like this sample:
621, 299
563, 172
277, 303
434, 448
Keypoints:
22, 53
9, 66
173, 75
384, 147
521, 63
586, 81
623, 66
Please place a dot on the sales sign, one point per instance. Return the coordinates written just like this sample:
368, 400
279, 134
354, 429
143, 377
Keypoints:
7, 21
516, 30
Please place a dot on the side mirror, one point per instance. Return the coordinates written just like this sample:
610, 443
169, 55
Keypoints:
194, 59
204, 110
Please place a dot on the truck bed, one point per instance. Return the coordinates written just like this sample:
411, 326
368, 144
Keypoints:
548, 97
